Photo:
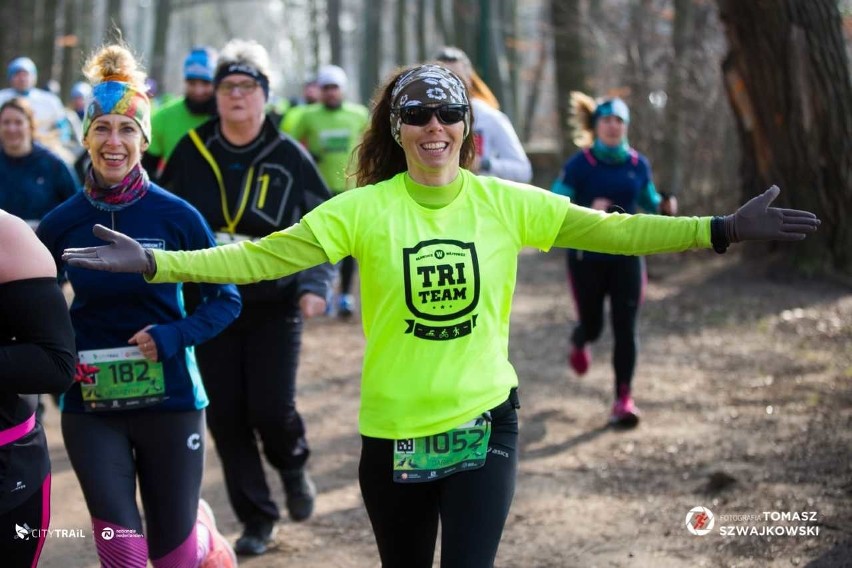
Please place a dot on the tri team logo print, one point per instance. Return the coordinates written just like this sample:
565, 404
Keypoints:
441, 288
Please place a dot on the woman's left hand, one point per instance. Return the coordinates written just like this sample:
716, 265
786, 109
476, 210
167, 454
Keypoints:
145, 342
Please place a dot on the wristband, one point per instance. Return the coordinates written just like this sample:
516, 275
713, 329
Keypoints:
718, 238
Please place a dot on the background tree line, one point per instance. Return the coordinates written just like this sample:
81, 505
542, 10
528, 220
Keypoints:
727, 96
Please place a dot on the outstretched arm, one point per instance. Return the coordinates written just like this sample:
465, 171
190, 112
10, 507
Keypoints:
648, 234
274, 256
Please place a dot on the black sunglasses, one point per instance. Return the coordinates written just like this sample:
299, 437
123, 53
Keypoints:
421, 115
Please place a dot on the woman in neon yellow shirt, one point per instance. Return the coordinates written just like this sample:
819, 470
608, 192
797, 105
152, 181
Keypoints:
437, 247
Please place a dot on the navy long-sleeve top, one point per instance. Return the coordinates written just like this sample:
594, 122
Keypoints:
627, 183
34, 184
108, 308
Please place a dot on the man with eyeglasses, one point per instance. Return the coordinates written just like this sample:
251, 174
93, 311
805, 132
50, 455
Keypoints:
173, 120
249, 180
330, 130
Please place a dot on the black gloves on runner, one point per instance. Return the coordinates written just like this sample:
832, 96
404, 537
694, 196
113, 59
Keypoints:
123, 254
757, 221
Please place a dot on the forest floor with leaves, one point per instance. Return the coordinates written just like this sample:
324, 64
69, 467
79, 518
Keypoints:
744, 385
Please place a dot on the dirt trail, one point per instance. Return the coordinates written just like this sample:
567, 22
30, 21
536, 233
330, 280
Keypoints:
744, 384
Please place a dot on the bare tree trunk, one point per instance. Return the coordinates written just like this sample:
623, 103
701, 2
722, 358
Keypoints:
85, 33
224, 18
114, 22
315, 35
42, 51
491, 49
509, 40
371, 61
161, 34
400, 34
333, 27
566, 18
788, 82
422, 43
442, 22
536, 83
670, 171
639, 71
466, 22
70, 55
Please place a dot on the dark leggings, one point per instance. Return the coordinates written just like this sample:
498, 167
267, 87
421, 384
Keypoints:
347, 273
19, 547
472, 505
163, 450
623, 280
249, 372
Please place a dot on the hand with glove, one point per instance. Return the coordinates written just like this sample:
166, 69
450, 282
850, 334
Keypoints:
123, 254
757, 221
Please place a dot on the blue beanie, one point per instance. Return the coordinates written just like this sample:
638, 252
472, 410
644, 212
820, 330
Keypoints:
200, 64
21, 64
612, 107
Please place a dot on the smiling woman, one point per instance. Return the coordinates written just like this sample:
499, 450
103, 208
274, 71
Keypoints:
138, 396
115, 144
35, 180
438, 249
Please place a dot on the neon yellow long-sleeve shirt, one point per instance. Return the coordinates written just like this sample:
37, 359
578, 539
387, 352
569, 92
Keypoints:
436, 282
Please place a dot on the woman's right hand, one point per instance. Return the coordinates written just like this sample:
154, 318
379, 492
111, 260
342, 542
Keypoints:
123, 254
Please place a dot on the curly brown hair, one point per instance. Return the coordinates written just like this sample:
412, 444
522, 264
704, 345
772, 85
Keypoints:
379, 156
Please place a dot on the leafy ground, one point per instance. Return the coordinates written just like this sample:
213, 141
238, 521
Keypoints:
744, 383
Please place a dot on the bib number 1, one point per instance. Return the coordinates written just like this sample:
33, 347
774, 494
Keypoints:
125, 380
429, 458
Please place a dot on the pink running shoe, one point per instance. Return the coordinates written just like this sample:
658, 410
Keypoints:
221, 555
579, 359
624, 413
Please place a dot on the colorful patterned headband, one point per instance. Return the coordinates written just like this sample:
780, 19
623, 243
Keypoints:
118, 97
427, 85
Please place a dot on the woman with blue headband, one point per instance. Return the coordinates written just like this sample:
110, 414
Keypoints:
438, 247
608, 175
136, 410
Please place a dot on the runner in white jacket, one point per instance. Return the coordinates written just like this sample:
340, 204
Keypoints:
499, 152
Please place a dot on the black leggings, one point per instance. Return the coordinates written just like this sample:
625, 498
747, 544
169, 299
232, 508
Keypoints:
347, 273
622, 279
472, 505
164, 451
249, 372
24, 529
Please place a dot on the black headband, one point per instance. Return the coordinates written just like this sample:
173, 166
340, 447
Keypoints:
242, 69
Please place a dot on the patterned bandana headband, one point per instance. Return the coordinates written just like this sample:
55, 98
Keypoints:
118, 97
427, 85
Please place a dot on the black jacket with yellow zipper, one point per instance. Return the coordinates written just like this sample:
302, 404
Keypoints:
247, 192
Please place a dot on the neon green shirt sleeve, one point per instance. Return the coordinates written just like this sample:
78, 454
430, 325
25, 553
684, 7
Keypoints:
638, 235
276, 255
